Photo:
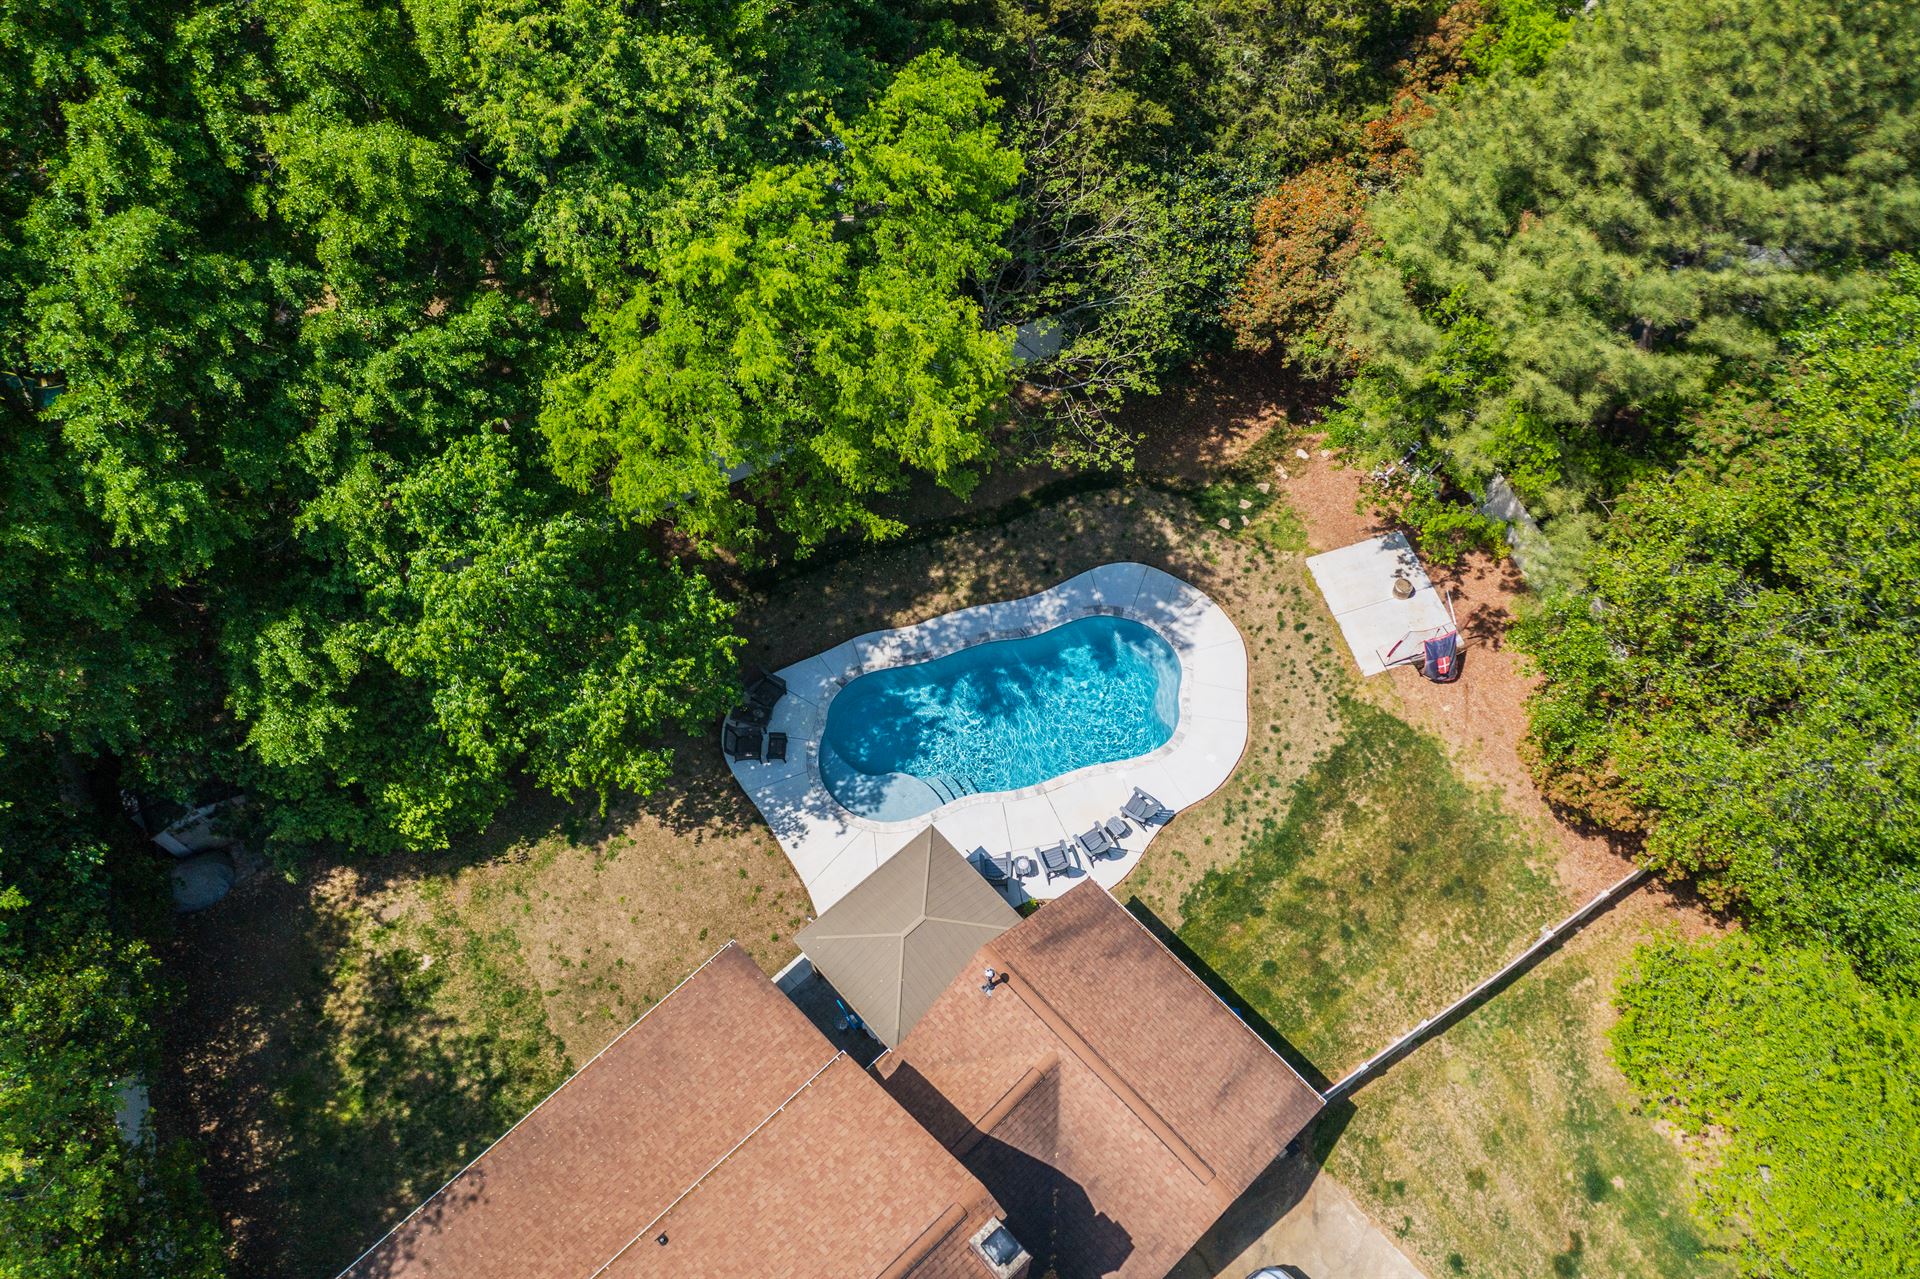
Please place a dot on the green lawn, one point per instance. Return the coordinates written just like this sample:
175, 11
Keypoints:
1507, 1149
1373, 894
1377, 891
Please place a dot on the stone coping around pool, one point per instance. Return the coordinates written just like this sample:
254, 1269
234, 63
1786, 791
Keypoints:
833, 848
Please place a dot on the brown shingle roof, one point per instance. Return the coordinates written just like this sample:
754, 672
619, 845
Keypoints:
840, 1183
726, 1120
895, 942
1102, 1093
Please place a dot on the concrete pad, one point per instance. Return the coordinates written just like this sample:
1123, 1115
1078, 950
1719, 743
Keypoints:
800, 720
1115, 585
1196, 631
1032, 823
1079, 806
1222, 665
1218, 744
846, 869
977, 826
1211, 701
1357, 582
1159, 781
753, 774
816, 680
1296, 1215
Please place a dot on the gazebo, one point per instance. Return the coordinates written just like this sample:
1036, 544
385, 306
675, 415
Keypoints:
901, 936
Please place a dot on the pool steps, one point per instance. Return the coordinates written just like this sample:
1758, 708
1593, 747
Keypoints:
949, 788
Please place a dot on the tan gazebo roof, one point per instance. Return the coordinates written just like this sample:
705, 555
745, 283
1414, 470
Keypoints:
905, 932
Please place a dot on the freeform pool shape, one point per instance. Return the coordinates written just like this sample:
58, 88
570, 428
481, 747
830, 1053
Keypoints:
999, 716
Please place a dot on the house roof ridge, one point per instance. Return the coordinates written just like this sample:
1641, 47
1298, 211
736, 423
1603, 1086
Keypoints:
714, 1167
729, 944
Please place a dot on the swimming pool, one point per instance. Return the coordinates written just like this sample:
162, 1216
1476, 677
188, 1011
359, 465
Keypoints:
999, 716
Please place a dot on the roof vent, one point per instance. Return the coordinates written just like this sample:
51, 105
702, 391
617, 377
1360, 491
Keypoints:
1001, 1251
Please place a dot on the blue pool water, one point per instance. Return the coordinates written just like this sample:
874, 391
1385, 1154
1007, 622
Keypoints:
999, 716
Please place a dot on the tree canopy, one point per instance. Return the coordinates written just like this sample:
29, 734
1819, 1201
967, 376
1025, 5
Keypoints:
1588, 253
811, 335
1739, 680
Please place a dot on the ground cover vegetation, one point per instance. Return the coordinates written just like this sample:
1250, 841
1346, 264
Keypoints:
393, 396
1807, 1070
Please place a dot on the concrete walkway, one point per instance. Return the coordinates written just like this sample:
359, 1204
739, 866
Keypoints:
1296, 1215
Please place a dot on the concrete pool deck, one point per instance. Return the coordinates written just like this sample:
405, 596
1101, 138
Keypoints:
833, 848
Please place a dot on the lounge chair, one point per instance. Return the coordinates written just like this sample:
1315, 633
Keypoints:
764, 690
1143, 808
1116, 828
995, 870
1057, 861
777, 747
741, 741
1096, 843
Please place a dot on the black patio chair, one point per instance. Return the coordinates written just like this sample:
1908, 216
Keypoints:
1143, 808
1096, 844
777, 748
740, 741
763, 690
1057, 861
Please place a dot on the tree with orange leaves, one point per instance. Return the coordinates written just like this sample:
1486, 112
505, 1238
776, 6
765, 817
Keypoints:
1311, 228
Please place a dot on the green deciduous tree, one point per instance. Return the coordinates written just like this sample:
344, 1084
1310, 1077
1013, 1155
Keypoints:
814, 334
1739, 679
1808, 1080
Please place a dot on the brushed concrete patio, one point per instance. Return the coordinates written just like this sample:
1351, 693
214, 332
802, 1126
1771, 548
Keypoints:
1358, 581
833, 848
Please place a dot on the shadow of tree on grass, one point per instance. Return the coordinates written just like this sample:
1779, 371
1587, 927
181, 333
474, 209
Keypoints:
341, 1069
